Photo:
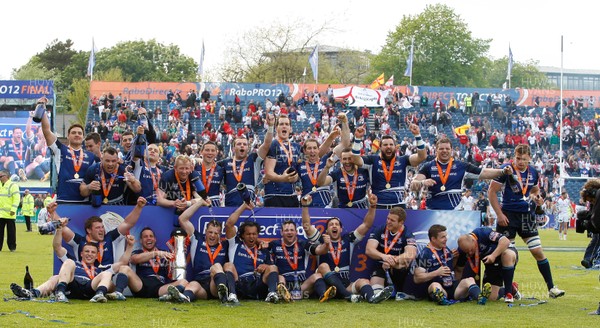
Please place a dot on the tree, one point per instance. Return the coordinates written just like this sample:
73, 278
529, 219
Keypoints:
276, 53
147, 61
78, 99
445, 52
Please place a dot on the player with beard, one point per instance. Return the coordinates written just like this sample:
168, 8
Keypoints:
244, 167
280, 173
110, 179
180, 187
211, 173
394, 256
208, 255
350, 181
71, 160
388, 171
435, 272
315, 160
499, 257
334, 266
291, 258
80, 279
445, 177
250, 261
515, 214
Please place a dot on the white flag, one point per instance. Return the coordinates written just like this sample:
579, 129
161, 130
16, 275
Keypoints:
390, 82
409, 61
313, 59
201, 62
304, 74
510, 63
92, 60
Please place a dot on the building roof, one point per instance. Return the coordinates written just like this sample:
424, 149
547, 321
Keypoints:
556, 70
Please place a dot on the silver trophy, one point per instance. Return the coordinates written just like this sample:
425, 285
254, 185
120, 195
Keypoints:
179, 263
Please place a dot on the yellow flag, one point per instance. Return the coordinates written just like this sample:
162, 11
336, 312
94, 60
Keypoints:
379, 81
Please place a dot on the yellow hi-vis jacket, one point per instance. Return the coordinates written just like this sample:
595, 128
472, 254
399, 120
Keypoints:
28, 208
9, 200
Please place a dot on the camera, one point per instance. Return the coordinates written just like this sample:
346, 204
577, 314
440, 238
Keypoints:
587, 221
584, 223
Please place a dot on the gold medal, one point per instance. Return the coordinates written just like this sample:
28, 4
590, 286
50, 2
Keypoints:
349, 204
76, 176
388, 186
105, 201
314, 189
476, 277
443, 188
337, 269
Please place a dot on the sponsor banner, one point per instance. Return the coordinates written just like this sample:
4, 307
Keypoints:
359, 97
161, 221
29, 89
259, 92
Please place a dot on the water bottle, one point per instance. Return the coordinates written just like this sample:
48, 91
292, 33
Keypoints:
38, 113
296, 289
27, 280
244, 192
96, 196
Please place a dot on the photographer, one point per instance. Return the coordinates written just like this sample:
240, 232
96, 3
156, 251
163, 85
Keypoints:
590, 221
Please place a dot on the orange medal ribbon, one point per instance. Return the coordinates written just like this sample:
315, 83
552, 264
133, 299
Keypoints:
294, 264
155, 178
387, 173
523, 185
238, 176
187, 192
18, 151
76, 162
386, 247
336, 256
351, 188
91, 272
288, 152
254, 255
475, 266
105, 188
155, 262
213, 256
314, 174
433, 250
208, 181
444, 175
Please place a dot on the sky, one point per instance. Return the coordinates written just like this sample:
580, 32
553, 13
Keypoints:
533, 29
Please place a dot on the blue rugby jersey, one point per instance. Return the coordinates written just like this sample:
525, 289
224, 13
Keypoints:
250, 176
512, 201
277, 152
459, 172
201, 262
378, 181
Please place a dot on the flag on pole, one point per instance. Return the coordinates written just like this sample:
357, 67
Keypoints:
390, 82
304, 74
313, 60
378, 82
201, 62
510, 63
409, 61
92, 60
